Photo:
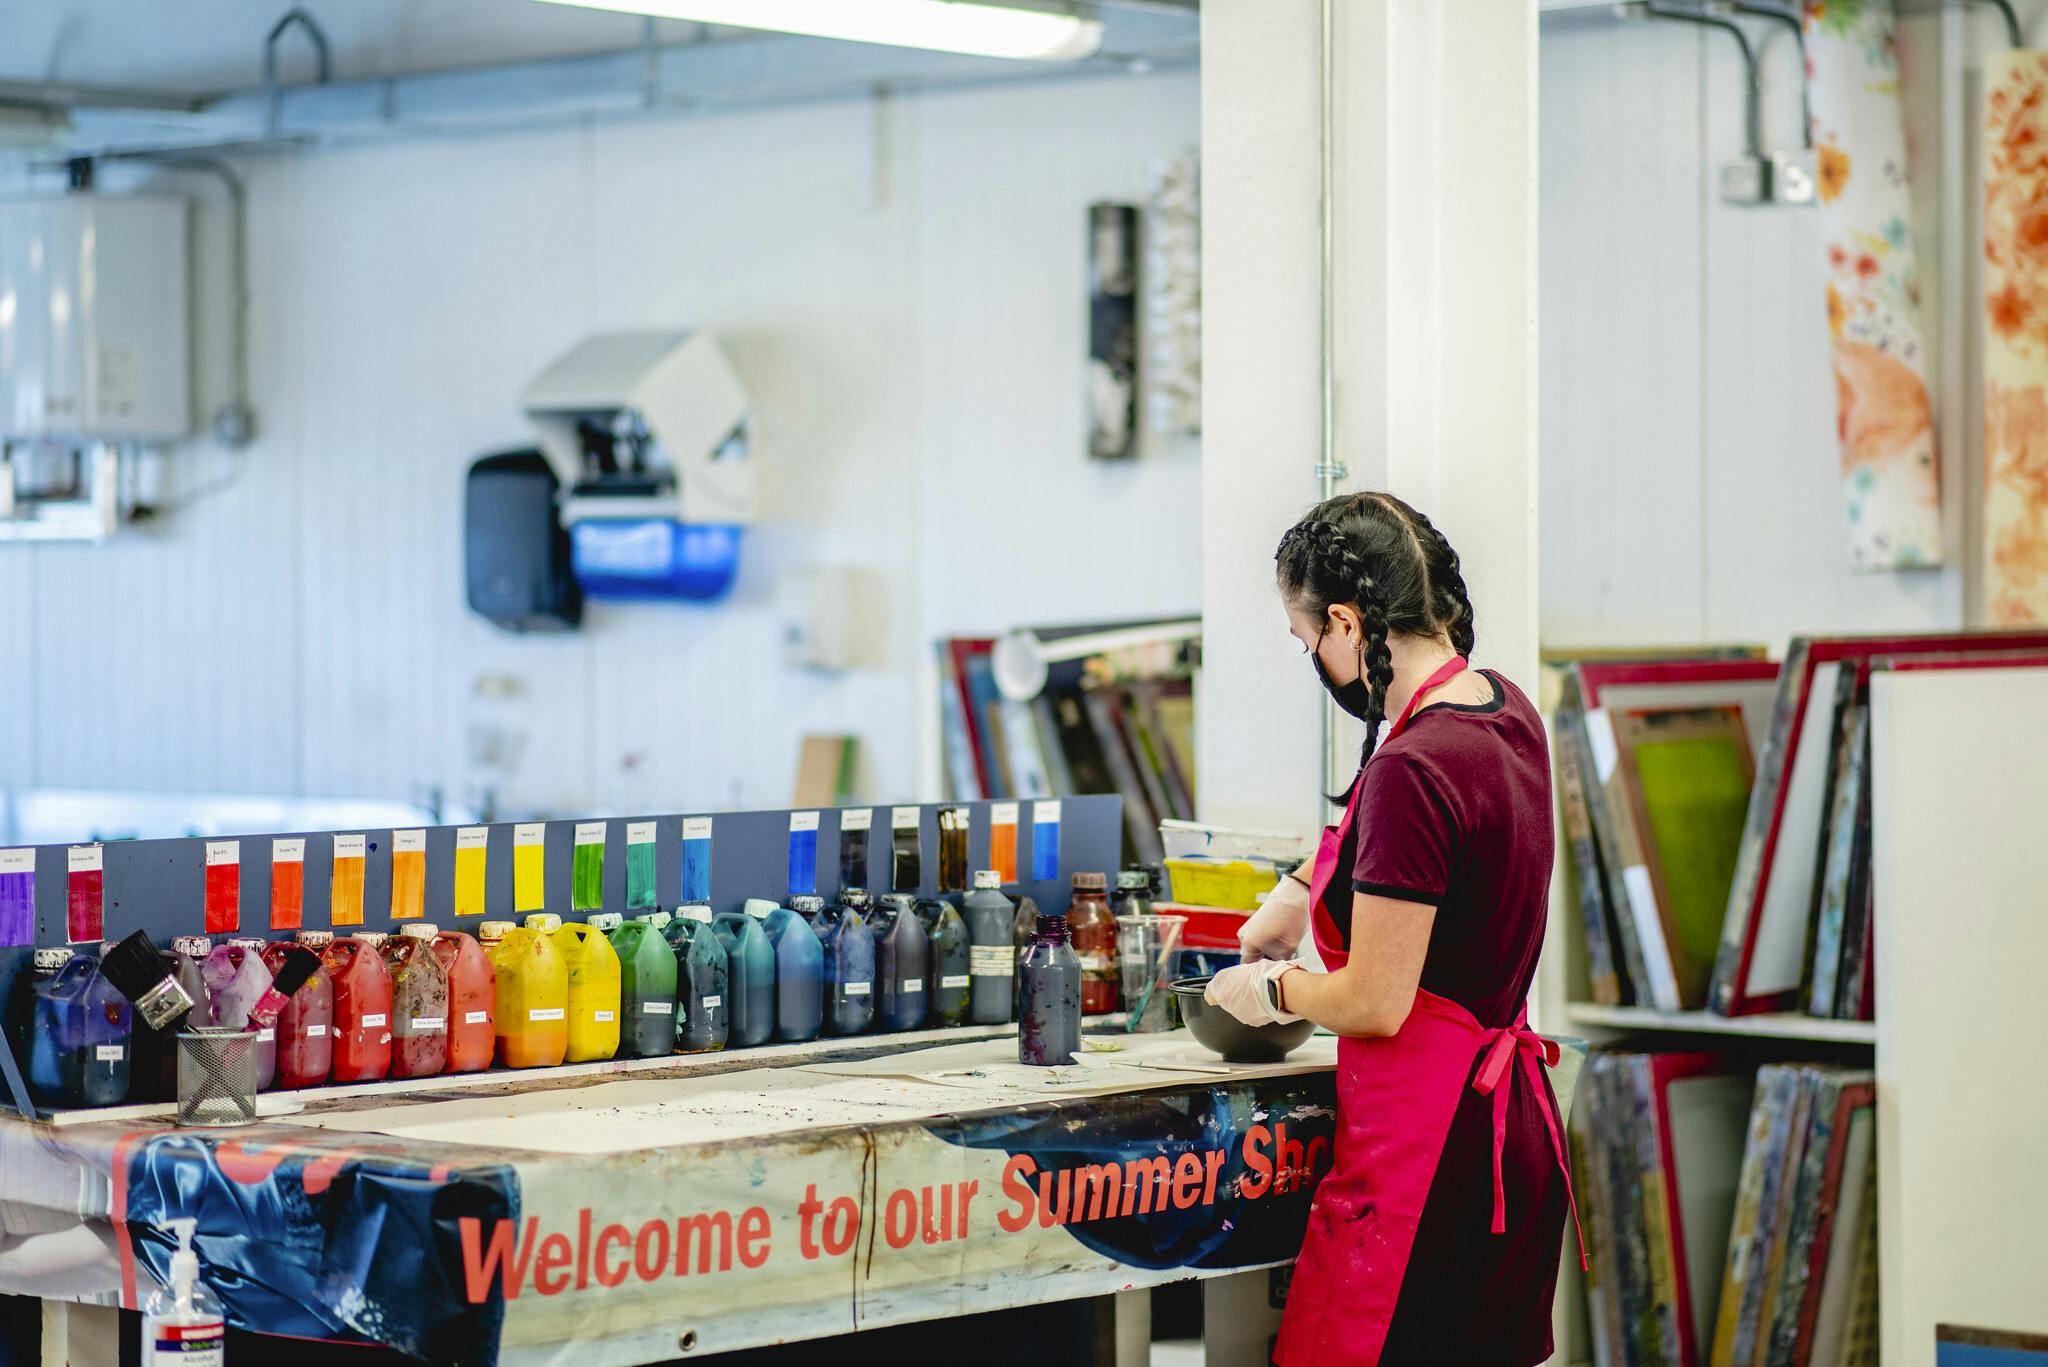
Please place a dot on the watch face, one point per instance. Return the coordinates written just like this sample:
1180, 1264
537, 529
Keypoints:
1273, 993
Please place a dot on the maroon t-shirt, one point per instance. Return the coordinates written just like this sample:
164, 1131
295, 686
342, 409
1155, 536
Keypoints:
1456, 813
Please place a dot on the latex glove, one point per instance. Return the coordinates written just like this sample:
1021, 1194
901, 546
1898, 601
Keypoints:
1279, 926
1243, 991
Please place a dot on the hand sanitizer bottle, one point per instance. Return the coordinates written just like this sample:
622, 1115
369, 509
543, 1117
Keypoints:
182, 1324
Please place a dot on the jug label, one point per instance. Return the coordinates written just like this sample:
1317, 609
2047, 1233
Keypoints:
603, 1015
315, 1031
912, 985
713, 1003
657, 1008
109, 1053
859, 989
476, 1017
375, 1018
429, 1024
266, 1036
545, 1013
952, 980
991, 961
1094, 963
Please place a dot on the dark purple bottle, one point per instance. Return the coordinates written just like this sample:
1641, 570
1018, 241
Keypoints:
1049, 997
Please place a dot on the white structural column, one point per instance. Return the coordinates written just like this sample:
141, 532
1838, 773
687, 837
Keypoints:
1434, 356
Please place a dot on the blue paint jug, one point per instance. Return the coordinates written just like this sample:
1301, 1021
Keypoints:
799, 969
80, 1037
750, 972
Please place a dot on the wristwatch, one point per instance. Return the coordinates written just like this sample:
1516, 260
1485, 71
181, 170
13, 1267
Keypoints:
1273, 991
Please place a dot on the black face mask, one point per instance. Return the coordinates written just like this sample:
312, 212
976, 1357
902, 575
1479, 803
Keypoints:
1354, 697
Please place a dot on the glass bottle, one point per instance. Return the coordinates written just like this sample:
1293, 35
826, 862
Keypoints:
991, 952
1049, 1026
1094, 933
902, 965
947, 948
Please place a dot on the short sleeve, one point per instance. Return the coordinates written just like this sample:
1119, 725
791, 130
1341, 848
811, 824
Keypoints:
1405, 832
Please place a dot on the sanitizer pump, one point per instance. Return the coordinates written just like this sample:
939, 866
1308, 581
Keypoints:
182, 1324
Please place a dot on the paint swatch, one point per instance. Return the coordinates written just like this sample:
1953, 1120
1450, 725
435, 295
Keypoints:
854, 826
223, 896
953, 827
17, 897
1002, 839
1045, 841
529, 866
906, 853
345, 887
409, 876
472, 850
641, 892
586, 868
803, 853
287, 882
84, 893
696, 889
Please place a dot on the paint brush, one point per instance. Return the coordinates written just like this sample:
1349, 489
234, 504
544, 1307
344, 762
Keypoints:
299, 965
136, 969
1167, 946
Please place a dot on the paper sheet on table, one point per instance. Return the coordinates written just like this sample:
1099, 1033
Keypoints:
1166, 1059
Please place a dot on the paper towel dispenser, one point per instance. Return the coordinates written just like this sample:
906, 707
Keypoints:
650, 430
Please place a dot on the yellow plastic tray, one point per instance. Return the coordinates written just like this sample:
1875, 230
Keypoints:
1234, 883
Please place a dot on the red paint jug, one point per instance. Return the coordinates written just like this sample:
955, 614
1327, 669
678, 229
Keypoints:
362, 1009
305, 1028
472, 995
419, 1003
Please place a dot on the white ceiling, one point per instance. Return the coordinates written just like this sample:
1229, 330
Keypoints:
213, 46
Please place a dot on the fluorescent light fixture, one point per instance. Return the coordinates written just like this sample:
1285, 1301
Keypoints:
965, 26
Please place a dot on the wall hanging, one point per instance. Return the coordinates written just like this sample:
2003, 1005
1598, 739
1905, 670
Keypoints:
2015, 339
1891, 477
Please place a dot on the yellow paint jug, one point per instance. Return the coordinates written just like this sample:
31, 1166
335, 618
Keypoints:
533, 992
593, 988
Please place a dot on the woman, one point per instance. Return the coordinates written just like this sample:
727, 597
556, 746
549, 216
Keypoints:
1434, 1238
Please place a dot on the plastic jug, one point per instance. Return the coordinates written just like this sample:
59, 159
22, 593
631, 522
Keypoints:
902, 965
799, 971
305, 1028
849, 972
153, 1072
532, 1014
593, 987
472, 993
647, 987
419, 1003
946, 945
236, 979
703, 981
81, 1028
992, 949
362, 1008
749, 973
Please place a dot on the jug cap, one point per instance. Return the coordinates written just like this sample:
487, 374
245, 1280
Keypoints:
985, 879
52, 959
316, 939
192, 946
759, 907
902, 901
246, 941
373, 938
489, 931
419, 930
606, 921
1090, 882
805, 904
657, 919
695, 911
546, 922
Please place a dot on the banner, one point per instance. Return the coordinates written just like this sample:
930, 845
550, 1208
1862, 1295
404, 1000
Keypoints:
2015, 339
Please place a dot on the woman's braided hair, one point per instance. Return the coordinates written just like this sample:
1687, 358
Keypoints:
1390, 562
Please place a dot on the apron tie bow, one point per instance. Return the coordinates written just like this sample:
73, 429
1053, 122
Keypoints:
1517, 1044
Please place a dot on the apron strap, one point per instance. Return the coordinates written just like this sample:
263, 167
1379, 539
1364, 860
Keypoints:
1520, 1047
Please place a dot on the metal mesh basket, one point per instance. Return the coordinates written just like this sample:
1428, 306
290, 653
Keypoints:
216, 1076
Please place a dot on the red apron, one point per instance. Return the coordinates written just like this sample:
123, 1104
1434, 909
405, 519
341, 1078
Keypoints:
1395, 1100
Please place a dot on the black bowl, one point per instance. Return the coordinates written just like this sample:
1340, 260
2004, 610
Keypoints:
1217, 1030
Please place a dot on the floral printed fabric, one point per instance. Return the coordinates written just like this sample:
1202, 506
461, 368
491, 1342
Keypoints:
1892, 482
2016, 338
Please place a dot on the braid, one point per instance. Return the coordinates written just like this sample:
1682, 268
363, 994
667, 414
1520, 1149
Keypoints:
1447, 581
1342, 563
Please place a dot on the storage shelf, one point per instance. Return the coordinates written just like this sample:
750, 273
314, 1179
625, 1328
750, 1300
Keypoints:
1784, 1025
